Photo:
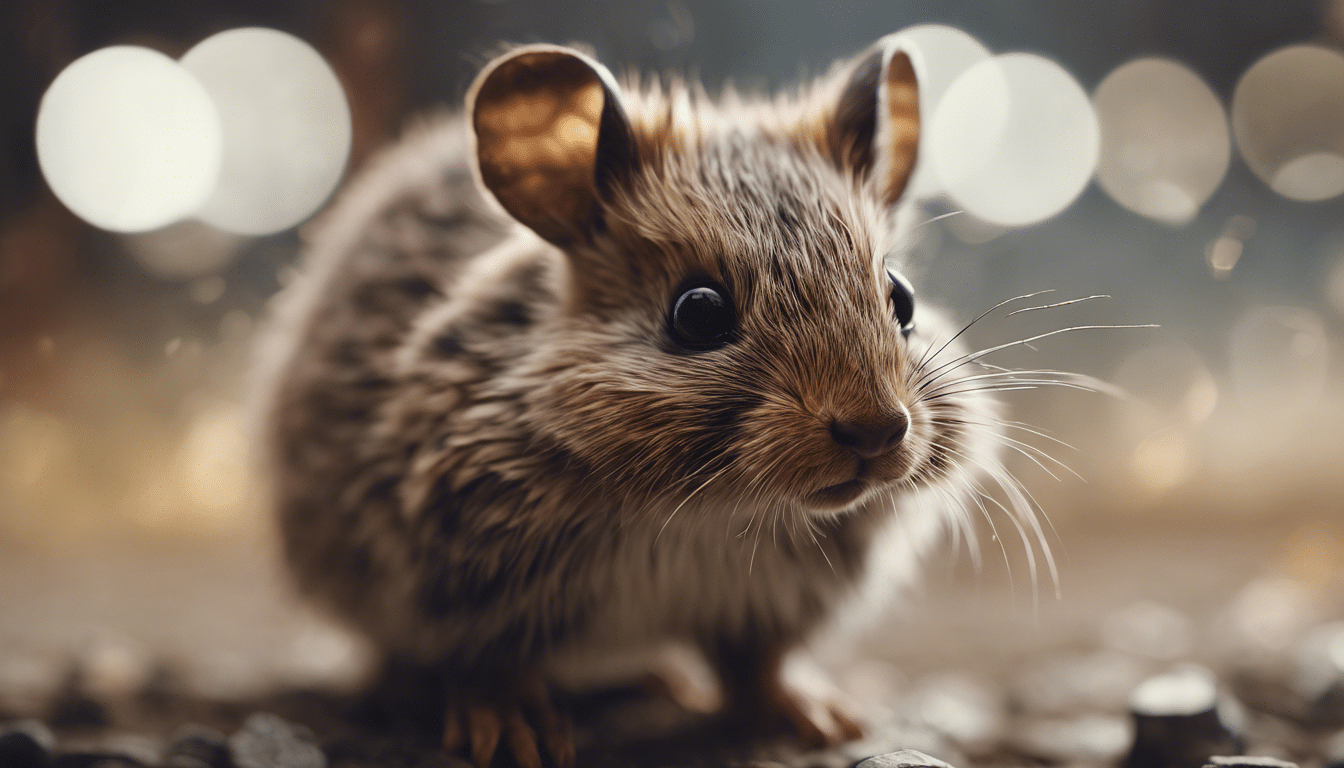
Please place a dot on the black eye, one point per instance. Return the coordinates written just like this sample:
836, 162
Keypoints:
902, 301
703, 316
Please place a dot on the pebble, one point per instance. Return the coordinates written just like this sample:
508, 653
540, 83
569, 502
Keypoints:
1150, 630
26, 744
1180, 719
124, 750
1248, 761
266, 741
196, 746
968, 711
113, 666
1087, 739
906, 758
1085, 682
1318, 674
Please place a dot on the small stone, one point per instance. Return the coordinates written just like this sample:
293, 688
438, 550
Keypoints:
1086, 739
196, 746
906, 758
26, 744
1149, 630
1318, 675
966, 710
1248, 761
1180, 719
1067, 684
116, 751
266, 741
113, 667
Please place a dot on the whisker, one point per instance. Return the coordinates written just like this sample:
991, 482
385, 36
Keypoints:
978, 318
952, 365
1058, 304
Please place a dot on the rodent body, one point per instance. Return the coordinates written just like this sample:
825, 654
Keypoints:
490, 443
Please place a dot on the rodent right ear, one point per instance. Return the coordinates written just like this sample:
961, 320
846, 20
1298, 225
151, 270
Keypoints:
875, 122
551, 137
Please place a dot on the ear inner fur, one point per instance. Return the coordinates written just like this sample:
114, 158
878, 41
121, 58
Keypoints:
898, 128
550, 138
876, 122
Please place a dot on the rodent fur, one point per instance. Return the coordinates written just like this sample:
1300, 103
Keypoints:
486, 450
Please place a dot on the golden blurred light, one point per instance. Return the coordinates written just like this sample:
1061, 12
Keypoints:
1279, 358
1163, 461
128, 139
1288, 119
183, 250
1164, 139
940, 53
1014, 139
216, 467
286, 128
32, 446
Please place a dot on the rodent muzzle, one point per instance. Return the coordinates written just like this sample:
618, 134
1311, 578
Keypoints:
871, 437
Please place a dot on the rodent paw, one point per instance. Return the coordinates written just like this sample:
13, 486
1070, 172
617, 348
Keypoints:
527, 727
804, 695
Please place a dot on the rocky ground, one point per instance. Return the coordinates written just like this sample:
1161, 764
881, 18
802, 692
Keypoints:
1170, 646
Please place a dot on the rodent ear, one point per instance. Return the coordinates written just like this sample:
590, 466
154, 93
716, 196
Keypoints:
874, 128
551, 138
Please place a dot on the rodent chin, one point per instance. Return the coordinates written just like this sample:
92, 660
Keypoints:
838, 496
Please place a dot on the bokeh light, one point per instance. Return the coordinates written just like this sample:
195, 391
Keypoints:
286, 128
1288, 119
940, 54
1279, 359
128, 139
185, 249
1164, 139
1014, 139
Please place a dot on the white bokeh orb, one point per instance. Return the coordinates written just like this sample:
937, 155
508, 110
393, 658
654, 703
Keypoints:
1014, 140
286, 128
1165, 145
939, 53
128, 140
1288, 119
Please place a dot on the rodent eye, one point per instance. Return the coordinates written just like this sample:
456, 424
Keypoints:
703, 316
902, 301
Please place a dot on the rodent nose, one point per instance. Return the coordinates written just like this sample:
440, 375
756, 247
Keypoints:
870, 438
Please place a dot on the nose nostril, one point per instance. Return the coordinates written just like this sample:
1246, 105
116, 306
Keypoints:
870, 438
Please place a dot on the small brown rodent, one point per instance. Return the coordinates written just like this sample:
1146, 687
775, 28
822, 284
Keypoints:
676, 388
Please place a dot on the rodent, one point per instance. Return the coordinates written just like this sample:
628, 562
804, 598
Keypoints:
593, 365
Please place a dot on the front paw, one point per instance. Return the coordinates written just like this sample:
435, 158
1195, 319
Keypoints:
795, 688
525, 720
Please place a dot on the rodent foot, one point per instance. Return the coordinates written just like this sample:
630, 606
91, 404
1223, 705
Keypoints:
527, 726
805, 696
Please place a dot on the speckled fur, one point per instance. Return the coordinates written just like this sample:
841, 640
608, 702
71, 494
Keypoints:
487, 450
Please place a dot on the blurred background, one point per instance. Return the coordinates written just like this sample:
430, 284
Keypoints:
130, 524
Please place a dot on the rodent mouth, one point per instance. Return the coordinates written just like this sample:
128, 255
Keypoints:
840, 494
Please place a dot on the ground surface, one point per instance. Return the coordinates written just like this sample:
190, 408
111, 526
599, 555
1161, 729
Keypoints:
117, 643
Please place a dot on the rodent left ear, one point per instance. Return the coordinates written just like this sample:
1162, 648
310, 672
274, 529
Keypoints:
873, 129
551, 138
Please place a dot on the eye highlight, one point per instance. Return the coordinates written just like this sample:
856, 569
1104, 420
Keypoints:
902, 301
702, 316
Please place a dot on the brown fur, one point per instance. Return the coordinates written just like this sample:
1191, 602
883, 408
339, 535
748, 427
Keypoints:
488, 449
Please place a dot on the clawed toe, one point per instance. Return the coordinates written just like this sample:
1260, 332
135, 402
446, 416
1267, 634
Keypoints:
526, 728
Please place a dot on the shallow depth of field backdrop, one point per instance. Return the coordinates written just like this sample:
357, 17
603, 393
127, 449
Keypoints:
130, 527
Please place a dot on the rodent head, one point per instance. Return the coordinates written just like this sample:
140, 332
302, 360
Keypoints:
730, 326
